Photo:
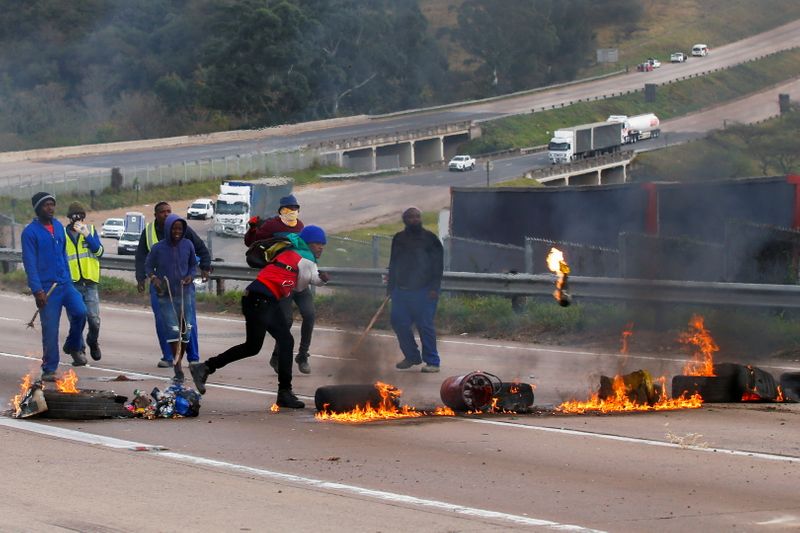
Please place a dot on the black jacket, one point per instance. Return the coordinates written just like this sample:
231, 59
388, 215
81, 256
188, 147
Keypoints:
416, 262
200, 249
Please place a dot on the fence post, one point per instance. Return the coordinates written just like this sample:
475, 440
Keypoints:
528, 255
375, 251
448, 244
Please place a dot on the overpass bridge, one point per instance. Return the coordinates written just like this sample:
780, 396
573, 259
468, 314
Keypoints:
602, 170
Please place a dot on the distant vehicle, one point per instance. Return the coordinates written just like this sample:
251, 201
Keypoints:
202, 208
238, 201
113, 228
462, 162
653, 61
638, 127
128, 243
134, 222
678, 57
700, 50
645, 67
586, 140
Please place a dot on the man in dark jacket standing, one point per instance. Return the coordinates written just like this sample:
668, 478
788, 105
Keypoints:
154, 232
415, 277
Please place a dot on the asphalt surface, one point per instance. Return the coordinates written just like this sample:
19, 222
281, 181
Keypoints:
240, 467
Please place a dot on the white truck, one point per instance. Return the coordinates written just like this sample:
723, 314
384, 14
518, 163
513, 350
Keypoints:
638, 127
586, 140
238, 201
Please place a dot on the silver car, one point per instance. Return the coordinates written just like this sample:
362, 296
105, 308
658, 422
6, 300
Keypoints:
113, 228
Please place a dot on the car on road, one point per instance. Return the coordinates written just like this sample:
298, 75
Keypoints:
113, 228
462, 162
128, 243
202, 208
700, 50
645, 67
653, 61
678, 57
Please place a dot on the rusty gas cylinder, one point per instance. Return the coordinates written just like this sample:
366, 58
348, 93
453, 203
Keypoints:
470, 392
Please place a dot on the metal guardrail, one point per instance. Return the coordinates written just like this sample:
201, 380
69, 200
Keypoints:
687, 292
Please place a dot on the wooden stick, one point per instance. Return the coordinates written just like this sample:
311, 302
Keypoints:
369, 326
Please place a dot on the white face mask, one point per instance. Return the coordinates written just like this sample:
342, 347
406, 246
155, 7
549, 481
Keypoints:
289, 216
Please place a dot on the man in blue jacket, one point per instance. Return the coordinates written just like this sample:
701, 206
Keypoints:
45, 260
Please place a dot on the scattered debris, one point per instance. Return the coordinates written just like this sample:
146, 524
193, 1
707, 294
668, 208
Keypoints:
175, 402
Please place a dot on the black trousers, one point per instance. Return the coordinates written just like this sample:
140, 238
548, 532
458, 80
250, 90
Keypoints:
305, 303
262, 314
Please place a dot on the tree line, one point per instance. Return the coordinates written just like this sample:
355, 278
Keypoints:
105, 70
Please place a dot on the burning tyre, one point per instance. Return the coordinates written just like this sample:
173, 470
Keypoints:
85, 405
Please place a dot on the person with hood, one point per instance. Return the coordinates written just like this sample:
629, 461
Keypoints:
171, 266
153, 233
45, 261
416, 265
84, 251
287, 222
293, 268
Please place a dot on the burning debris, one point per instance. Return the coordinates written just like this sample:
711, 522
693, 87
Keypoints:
362, 403
174, 402
636, 391
702, 363
557, 265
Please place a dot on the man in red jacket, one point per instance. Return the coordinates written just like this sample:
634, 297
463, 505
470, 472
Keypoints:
286, 222
295, 268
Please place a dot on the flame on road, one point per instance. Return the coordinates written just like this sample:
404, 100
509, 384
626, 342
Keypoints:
68, 383
621, 402
700, 338
386, 410
23, 390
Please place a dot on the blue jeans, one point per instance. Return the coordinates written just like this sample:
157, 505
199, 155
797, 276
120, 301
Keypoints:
91, 299
64, 295
192, 349
171, 313
415, 308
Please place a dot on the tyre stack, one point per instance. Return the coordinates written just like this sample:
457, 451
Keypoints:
730, 383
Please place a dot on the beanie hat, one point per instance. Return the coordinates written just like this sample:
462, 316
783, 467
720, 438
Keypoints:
313, 234
288, 201
76, 207
39, 198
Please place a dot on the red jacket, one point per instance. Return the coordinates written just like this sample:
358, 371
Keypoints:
270, 228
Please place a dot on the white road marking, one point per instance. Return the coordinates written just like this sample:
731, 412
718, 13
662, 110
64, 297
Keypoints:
636, 440
328, 486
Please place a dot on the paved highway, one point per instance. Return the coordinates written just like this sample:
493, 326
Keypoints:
240, 467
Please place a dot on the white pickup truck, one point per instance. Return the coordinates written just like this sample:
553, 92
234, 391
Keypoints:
462, 162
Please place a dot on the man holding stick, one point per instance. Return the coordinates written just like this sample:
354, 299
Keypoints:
45, 260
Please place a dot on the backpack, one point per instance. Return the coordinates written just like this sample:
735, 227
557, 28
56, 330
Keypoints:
261, 253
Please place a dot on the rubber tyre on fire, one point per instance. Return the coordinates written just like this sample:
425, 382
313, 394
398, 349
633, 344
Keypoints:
87, 405
713, 389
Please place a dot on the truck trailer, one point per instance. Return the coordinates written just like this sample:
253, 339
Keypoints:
638, 127
238, 201
586, 140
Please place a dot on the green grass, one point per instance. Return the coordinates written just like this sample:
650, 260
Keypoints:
672, 100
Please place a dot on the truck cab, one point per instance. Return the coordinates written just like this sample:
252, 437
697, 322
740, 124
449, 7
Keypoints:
232, 210
559, 149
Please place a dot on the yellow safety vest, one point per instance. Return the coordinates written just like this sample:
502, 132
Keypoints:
82, 262
150, 235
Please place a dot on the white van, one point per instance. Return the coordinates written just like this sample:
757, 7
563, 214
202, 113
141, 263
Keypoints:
700, 50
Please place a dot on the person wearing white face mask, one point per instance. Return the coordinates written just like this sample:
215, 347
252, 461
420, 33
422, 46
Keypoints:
287, 221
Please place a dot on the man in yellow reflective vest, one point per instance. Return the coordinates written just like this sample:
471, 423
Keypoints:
84, 251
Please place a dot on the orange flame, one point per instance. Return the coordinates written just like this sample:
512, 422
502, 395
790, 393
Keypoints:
275, 408
781, 398
68, 383
386, 410
622, 403
23, 389
557, 265
698, 336
627, 333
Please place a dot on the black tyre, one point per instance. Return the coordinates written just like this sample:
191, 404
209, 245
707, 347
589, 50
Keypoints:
790, 385
86, 405
713, 389
342, 398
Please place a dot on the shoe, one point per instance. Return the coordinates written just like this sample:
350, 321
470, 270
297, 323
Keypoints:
302, 363
78, 358
430, 369
48, 376
273, 362
179, 377
199, 373
95, 352
165, 363
406, 363
287, 399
